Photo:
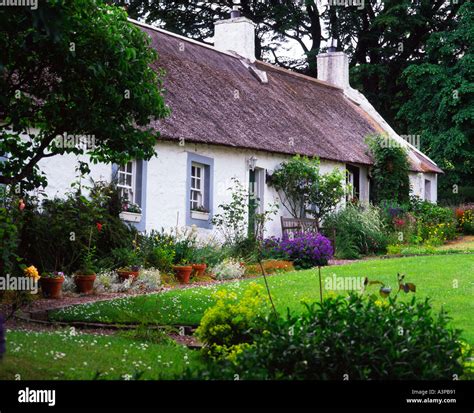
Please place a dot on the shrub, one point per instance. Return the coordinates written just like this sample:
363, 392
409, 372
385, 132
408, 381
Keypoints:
304, 189
360, 230
56, 233
228, 269
307, 250
362, 338
108, 281
390, 171
158, 250
227, 327
465, 219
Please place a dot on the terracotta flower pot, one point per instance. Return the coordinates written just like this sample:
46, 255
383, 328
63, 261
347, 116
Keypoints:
85, 283
199, 269
125, 275
183, 272
51, 287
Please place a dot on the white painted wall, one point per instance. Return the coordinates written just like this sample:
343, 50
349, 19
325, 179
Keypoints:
417, 183
61, 173
166, 181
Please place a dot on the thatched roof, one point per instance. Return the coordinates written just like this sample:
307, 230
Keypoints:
215, 99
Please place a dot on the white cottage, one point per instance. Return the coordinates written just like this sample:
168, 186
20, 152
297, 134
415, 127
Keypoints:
235, 116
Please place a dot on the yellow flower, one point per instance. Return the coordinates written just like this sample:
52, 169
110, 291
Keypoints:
32, 272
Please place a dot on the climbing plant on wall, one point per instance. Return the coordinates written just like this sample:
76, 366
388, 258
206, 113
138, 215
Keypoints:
390, 181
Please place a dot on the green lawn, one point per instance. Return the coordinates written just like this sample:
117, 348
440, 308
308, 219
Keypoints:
62, 356
447, 279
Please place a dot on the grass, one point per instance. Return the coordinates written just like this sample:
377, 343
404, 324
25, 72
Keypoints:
63, 356
447, 279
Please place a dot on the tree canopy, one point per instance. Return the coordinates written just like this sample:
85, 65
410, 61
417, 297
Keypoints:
74, 68
441, 104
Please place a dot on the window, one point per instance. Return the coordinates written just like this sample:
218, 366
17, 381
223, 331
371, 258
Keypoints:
199, 190
197, 195
126, 181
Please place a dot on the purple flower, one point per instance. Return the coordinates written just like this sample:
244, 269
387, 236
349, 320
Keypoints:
307, 250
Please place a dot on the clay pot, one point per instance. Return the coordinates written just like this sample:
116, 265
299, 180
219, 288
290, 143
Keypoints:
51, 287
125, 275
183, 272
85, 283
199, 269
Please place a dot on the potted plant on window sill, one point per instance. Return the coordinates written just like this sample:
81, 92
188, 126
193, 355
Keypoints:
51, 284
200, 213
131, 212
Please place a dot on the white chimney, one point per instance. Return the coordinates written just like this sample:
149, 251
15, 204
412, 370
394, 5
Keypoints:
333, 67
236, 34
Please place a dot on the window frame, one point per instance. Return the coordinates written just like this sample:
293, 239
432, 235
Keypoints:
202, 187
191, 217
133, 180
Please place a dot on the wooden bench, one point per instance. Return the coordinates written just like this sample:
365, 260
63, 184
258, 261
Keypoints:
292, 226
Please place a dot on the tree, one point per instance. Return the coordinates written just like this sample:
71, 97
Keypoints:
389, 173
442, 86
279, 22
382, 39
69, 71
303, 189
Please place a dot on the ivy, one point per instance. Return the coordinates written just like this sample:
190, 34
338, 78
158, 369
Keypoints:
390, 171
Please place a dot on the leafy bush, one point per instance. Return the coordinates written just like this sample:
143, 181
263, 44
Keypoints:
227, 327
56, 234
362, 338
390, 171
108, 281
360, 230
465, 219
307, 250
304, 189
228, 269
231, 221
125, 257
158, 250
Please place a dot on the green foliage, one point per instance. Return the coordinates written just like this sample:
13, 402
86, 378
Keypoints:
355, 336
9, 233
126, 257
158, 250
442, 84
419, 222
227, 327
303, 189
76, 68
231, 222
60, 234
390, 170
360, 230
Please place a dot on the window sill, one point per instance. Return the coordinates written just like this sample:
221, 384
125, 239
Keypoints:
203, 216
130, 216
